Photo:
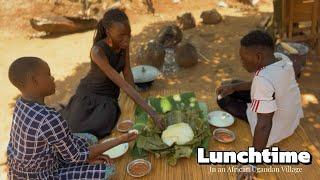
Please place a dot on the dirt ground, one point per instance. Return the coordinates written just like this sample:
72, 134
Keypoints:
68, 56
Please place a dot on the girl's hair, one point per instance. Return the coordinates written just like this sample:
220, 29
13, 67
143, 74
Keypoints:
109, 17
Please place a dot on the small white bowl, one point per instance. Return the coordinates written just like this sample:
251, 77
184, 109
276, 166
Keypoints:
116, 151
139, 161
220, 119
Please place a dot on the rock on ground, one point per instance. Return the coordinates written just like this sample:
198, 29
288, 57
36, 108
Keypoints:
186, 21
211, 17
186, 55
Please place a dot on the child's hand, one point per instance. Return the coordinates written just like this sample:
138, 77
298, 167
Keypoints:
130, 136
247, 172
101, 159
225, 90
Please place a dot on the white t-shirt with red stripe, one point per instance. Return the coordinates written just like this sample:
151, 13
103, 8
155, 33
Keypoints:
274, 89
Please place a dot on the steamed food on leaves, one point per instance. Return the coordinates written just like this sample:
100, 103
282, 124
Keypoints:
179, 133
182, 143
186, 128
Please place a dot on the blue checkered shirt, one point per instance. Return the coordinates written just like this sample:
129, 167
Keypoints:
41, 146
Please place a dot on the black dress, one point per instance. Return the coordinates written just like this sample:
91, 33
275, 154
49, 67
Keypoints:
94, 108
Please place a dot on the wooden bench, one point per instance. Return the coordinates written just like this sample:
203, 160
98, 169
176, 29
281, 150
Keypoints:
300, 21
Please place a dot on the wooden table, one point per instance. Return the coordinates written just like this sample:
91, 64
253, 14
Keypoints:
189, 169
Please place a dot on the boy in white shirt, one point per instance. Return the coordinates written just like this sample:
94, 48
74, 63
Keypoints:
271, 101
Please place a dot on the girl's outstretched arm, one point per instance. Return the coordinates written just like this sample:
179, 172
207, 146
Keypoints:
127, 69
102, 62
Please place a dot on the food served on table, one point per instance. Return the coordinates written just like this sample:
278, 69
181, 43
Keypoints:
186, 128
179, 133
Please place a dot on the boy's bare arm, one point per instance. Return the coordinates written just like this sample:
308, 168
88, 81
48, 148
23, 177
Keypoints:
262, 131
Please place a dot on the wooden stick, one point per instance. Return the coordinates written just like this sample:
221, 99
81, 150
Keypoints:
203, 56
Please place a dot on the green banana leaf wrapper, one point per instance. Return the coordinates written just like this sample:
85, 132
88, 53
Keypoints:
174, 109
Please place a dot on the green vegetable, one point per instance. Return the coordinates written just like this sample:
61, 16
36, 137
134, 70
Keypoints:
165, 105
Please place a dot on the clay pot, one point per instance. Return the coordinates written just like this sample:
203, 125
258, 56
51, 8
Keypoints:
186, 55
298, 60
211, 17
152, 54
186, 21
169, 36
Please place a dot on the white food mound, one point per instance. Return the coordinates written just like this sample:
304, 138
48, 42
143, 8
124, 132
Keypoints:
179, 133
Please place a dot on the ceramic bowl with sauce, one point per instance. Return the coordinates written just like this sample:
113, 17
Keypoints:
139, 168
125, 126
224, 135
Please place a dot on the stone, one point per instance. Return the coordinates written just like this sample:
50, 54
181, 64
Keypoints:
186, 55
169, 36
62, 24
186, 21
211, 17
152, 54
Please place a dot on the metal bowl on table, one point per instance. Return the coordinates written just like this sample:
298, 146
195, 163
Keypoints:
144, 76
224, 135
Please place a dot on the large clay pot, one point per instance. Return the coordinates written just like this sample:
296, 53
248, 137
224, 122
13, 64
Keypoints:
152, 54
298, 60
186, 55
169, 36
186, 21
211, 17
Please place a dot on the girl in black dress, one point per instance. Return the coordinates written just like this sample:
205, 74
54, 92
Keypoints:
94, 108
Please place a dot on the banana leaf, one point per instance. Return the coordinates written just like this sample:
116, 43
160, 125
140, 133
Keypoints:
180, 151
183, 108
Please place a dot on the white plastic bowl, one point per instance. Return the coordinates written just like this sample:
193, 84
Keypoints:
220, 119
117, 151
